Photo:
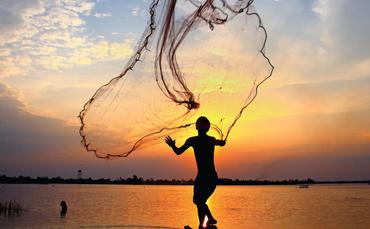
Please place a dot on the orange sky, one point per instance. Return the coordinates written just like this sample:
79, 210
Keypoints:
309, 120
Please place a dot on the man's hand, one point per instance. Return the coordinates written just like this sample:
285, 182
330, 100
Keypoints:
170, 141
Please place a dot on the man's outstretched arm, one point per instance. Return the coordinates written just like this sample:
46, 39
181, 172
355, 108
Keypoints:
172, 144
220, 142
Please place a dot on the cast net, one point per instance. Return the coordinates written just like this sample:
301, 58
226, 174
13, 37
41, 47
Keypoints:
195, 58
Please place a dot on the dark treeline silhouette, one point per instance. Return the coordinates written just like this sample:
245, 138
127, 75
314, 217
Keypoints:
59, 180
135, 180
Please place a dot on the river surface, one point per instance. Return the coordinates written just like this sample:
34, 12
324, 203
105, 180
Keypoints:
239, 207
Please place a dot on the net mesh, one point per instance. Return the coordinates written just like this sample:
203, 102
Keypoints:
194, 58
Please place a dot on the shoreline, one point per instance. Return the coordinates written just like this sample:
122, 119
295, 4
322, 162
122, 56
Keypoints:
160, 182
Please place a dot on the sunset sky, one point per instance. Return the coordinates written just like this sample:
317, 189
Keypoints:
311, 119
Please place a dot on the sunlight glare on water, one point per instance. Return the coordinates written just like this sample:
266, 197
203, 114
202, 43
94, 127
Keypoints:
122, 206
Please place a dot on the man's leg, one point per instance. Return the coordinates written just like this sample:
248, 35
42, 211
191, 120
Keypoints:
199, 200
210, 189
201, 213
211, 219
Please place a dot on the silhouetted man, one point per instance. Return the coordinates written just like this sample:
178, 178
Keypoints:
64, 208
206, 180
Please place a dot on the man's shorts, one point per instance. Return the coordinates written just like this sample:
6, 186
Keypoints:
204, 186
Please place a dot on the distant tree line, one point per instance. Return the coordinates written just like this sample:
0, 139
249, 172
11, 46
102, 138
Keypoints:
135, 180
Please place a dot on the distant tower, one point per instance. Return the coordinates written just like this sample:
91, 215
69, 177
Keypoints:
79, 174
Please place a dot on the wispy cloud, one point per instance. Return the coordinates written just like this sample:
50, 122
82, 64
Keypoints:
321, 8
102, 15
51, 35
137, 11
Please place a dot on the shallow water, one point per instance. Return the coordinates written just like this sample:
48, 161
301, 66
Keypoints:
124, 206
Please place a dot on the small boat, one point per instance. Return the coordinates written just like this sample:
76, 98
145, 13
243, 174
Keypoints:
303, 186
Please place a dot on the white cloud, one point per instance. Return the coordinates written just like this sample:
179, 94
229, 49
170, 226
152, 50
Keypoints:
81, 7
137, 11
51, 35
4, 52
85, 55
121, 50
14, 65
53, 62
321, 8
102, 15
41, 29
14, 13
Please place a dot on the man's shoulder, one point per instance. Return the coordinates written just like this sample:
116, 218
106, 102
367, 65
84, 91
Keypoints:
195, 139
211, 138
191, 139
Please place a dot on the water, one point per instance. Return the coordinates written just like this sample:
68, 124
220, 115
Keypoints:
124, 206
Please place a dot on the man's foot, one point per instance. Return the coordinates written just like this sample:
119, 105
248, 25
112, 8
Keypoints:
210, 226
212, 221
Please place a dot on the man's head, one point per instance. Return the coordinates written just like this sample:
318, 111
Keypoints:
202, 125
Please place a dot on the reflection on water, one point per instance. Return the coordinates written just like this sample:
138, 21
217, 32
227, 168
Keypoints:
10, 208
10, 213
121, 206
128, 226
